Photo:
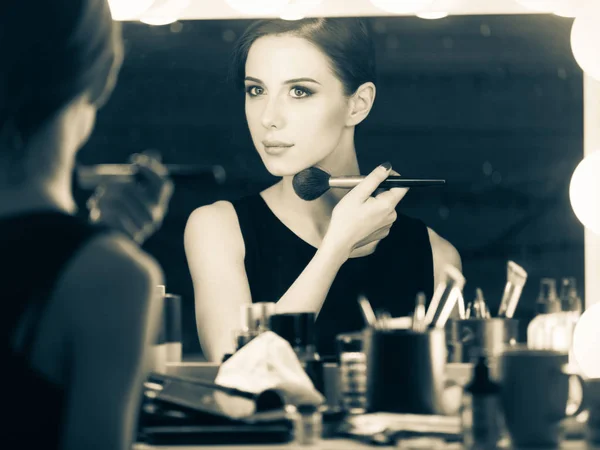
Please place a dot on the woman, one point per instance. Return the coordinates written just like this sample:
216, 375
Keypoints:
308, 84
77, 298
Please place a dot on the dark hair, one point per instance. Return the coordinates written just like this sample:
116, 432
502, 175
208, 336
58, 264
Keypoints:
345, 41
52, 51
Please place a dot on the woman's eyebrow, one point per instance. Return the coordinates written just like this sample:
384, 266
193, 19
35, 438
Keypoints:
292, 81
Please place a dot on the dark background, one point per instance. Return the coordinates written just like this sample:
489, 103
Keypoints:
492, 103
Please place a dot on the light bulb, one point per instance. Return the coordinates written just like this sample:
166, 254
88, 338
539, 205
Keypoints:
584, 191
299, 9
164, 12
128, 9
586, 342
258, 7
401, 6
545, 5
585, 39
440, 9
570, 8
432, 15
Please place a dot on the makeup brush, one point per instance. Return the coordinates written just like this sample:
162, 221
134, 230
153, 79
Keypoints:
313, 182
367, 311
89, 177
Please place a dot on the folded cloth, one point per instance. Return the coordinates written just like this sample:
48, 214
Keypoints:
269, 362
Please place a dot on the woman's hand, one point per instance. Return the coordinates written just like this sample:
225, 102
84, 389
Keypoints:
137, 208
359, 218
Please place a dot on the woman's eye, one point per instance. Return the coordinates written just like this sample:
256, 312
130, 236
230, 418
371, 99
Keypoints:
253, 91
300, 92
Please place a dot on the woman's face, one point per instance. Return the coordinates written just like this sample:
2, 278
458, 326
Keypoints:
295, 106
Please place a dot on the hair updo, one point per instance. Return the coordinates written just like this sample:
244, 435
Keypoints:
345, 41
53, 51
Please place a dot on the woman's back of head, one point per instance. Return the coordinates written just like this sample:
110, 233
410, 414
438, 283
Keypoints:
52, 52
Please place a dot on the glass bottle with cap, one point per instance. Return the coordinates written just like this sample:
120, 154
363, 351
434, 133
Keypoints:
548, 301
540, 329
569, 298
572, 307
158, 353
308, 424
172, 327
255, 319
552, 328
481, 414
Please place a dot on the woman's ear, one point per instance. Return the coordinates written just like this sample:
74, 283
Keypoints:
361, 103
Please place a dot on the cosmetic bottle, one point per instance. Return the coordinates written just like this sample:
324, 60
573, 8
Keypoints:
481, 414
552, 328
255, 319
308, 425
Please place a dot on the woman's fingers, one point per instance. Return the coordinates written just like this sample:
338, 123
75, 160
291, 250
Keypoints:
378, 235
363, 191
392, 196
152, 176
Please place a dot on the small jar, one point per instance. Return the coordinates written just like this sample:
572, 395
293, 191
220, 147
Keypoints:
592, 432
308, 425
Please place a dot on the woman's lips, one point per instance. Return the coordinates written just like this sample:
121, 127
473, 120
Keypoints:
274, 150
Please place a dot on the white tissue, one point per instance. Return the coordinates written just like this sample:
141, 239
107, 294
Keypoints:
269, 362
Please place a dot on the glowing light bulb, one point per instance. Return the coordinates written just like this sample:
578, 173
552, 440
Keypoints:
128, 9
586, 342
432, 15
440, 9
164, 12
570, 8
299, 9
544, 5
258, 7
584, 192
401, 6
585, 38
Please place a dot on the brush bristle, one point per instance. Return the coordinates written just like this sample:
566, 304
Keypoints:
311, 183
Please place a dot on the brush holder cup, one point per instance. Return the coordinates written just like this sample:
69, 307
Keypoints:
406, 370
468, 339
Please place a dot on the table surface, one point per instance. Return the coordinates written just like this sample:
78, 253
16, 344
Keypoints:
330, 444
207, 371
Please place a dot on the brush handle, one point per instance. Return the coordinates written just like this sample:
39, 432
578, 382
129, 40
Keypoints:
389, 182
89, 177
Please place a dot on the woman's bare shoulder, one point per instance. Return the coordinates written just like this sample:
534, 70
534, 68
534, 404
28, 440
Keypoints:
121, 252
220, 213
108, 270
443, 251
213, 225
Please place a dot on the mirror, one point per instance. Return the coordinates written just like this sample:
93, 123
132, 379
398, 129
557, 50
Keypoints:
491, 103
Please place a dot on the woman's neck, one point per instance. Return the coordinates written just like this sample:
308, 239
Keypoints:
43, 178
54, 195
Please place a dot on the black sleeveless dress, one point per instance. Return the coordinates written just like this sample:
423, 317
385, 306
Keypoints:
34, 249
391, 277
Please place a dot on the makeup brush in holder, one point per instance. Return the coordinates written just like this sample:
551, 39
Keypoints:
313, 182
